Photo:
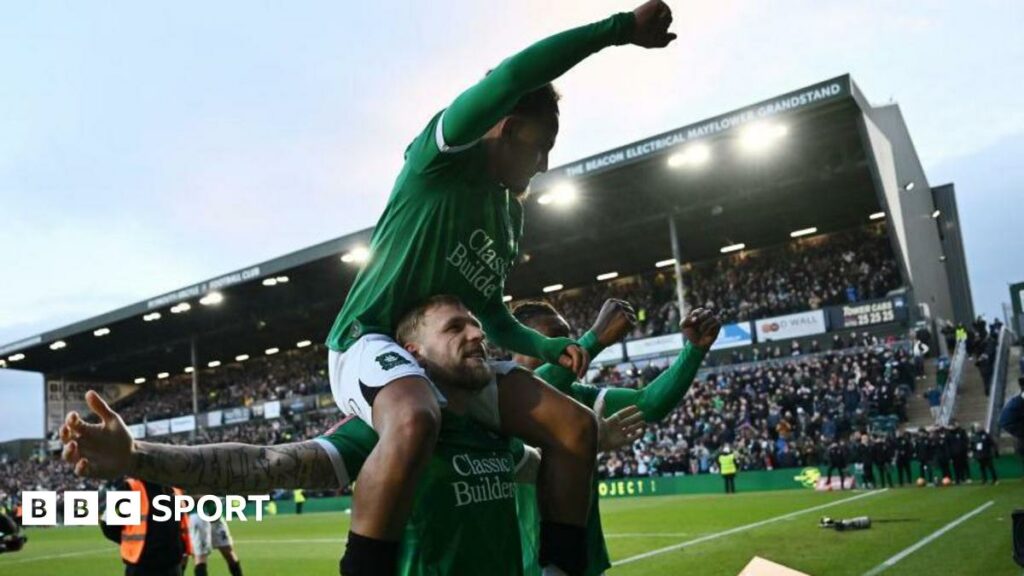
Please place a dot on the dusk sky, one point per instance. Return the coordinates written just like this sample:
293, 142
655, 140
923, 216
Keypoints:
147, 146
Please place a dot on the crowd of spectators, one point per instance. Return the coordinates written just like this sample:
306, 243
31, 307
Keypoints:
776, 406
773, 414
804, 274
298, 372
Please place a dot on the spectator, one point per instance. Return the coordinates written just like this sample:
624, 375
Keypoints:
984, 450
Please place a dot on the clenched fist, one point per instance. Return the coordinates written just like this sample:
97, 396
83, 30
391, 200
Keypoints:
614, 322
701, 327
652, 20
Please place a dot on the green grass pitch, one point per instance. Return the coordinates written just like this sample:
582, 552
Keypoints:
682, 535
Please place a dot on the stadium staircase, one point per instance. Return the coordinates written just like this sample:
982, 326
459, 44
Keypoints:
972, 404
918, 414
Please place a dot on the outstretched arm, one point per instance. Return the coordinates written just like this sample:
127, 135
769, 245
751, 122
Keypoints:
477, 109
663, 394
107, 450
235, 468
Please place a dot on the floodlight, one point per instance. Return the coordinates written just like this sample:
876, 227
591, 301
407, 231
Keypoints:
357, 255
803, 232
663, 263
58, 345
761, 135
552, 288
732, 248
99, 332
212, 299
607, 276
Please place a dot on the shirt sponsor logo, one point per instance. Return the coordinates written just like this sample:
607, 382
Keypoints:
479, 263
389, 360
487, 479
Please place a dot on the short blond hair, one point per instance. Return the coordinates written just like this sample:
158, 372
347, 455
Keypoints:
410, 323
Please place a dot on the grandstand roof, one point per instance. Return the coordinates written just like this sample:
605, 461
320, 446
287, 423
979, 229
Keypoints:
818, 174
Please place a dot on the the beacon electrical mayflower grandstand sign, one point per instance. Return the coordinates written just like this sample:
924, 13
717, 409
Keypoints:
813, 95
124, 507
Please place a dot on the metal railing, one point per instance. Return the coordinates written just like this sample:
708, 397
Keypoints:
956, 375
997, 387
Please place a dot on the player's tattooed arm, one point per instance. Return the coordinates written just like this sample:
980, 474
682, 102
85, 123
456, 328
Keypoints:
107, 450
235, 468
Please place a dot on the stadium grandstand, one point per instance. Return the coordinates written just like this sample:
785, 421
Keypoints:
806, 220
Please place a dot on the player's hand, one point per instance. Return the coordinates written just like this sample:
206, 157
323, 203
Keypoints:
101, 450
701, 327
652, 20
619, 429
576, 359
614, 322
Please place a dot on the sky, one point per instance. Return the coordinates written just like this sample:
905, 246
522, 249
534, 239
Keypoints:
146, 146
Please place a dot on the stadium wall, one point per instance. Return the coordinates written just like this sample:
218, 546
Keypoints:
944, 198
910, 211
1009, 466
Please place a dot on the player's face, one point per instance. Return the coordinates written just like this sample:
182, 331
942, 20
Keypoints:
451, 347
550, 326
527, 144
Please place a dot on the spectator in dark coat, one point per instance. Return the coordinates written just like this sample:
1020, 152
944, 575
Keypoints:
959, 449
985, 450
904, 453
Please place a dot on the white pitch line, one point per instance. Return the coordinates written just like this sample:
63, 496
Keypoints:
647, 535
927, 539
744, 528
294, 541
111, 550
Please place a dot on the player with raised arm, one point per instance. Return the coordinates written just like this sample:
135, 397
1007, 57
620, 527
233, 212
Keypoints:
654, 402
464, 518
452, 226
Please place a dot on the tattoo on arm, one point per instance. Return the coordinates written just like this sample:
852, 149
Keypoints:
235, 468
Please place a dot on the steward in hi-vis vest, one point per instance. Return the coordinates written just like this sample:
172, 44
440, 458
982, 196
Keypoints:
151, 548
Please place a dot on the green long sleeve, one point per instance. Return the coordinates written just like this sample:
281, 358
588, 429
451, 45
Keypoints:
477, 109
660, 397
562, 378
504, 330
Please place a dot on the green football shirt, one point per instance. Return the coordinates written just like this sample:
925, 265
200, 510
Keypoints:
464, 517
449, 227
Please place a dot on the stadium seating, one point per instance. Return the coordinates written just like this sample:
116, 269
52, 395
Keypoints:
774, 413
803, 274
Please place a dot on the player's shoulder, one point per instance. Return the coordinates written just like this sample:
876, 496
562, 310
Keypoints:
428, 154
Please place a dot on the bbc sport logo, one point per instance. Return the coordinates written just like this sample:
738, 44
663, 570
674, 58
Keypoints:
124, 507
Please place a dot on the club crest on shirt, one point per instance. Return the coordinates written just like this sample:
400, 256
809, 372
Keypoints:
389, 360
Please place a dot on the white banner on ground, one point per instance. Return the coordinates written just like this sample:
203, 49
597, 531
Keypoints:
791, 326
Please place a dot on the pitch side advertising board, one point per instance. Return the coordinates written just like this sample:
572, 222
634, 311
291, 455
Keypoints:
790, 326
183, 424
654, 345
158, 427
733, 335
868, 313
610, 355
